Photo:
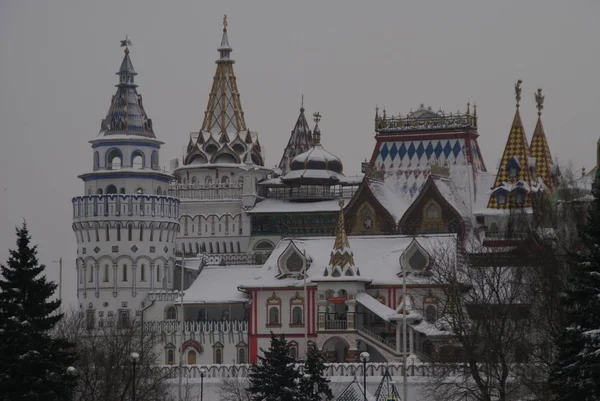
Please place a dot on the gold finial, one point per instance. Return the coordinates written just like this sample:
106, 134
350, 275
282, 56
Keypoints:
316, 117
126, 43
225, 22
518, 91
539, 100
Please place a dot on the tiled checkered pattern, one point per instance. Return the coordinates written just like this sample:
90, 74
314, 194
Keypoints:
517, 147
541, 151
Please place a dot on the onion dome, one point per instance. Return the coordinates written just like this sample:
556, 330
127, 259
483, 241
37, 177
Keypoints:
316, 163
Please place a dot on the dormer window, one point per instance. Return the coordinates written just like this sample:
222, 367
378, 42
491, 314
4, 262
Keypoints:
415, 258
501, 198
519, 197
513, 167
292, 262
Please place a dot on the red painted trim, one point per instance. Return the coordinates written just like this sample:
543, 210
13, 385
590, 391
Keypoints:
288, 335
252, 340
395, 299
389, 298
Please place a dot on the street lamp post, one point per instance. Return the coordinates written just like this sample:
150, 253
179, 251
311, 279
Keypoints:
134, 358
364, 358
72, 372
202, 374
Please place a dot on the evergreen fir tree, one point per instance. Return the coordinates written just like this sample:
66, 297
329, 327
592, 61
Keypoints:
314, 384
33, 363
275, 377
576, 374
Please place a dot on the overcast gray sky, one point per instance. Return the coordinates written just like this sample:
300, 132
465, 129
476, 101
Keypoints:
58, 59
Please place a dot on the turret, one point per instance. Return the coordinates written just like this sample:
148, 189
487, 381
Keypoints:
124, 223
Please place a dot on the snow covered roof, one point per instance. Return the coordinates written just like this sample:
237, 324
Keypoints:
381, 310
377, 257
285, 206
219, 285
388, 199
354, 392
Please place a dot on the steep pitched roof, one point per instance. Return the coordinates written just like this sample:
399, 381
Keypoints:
300, 141
224, 114
516, 151
126, 114
539, 147
341, 261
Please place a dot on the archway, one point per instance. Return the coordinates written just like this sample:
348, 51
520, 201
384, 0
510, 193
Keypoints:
335, 349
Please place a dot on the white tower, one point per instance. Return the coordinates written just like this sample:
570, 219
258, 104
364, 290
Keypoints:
125, 223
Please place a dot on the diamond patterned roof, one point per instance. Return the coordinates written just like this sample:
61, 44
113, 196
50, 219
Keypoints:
541, 151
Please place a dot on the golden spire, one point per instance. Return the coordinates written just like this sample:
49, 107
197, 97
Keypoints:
341, 255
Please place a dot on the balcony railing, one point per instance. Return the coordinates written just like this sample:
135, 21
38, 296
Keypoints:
125, 205
312, 192
190, 326
206, 191
336, 324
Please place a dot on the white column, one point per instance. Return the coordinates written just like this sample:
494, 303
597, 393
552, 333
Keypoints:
397, 337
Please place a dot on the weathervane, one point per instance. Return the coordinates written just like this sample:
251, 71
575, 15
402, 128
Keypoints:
539, 99
518, 91
126, 43
225, 22
317, 117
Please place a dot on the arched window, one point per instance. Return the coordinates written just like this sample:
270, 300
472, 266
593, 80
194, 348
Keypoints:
118, 232
99, 191
154, 160
225, 180
158, 276
130, 232
519, 197
141, 232
191, 357
170, 357
432, 211
168, 273
111, 189
294, 352
143, 272
107, 233
91, 274
97, 233
430, 314
241, 355
137, 159
171, 313
297, 315
96, 160
114, 159
123, 319
106, 272
208, 180
122, 190
124, 273
159, 190
274, 315
218, 356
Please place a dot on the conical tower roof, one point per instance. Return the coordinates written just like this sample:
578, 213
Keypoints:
300, 141
224, 115
514, 172
341, 261
539, 147
126, 115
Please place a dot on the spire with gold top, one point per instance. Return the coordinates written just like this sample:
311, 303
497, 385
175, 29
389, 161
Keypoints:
540, 149
224, 137
515, 182
341, 261
224, 114
126, 115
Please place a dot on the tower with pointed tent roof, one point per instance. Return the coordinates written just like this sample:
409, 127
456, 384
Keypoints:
125, 223
516, 183
300, 141
545, 169
218, 177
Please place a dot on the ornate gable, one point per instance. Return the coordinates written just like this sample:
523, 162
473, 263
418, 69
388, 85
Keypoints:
365, 215
431, 212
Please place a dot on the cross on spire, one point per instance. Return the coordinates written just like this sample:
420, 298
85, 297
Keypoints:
316, 117
225, 22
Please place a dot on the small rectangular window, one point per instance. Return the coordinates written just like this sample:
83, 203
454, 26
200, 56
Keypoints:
124, 272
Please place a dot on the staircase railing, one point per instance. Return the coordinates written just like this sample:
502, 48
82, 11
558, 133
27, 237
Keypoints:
390, 345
